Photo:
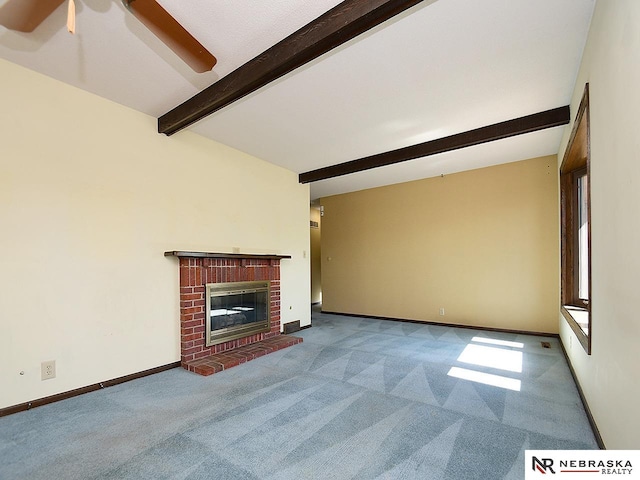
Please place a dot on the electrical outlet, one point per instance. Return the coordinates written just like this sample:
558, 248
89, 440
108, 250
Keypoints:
442, 312
48, 370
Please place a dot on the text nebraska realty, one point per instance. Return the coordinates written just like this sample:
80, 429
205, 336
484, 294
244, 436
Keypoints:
605, 467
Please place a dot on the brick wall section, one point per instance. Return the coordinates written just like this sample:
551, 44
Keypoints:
195, 273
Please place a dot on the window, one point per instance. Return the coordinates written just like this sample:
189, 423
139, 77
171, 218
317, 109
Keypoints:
582, 215
576, 230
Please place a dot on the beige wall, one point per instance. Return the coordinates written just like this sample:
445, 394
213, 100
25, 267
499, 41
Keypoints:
481, 244
90, 198
609, 377
316, 266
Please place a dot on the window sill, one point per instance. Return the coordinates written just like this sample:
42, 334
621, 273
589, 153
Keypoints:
578, 319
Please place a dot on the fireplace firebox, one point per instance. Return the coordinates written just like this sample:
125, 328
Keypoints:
236, 310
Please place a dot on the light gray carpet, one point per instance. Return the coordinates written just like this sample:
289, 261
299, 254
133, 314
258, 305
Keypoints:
359, 399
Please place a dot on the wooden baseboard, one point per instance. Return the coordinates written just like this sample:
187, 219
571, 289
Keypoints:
585, 404
442, 324
82, 390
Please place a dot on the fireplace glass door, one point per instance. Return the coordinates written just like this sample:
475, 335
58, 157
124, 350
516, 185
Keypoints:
236, 310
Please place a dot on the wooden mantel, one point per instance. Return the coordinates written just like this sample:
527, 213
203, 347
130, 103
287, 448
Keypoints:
259, 256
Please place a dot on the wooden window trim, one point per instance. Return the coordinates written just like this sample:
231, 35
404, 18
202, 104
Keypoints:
576, 162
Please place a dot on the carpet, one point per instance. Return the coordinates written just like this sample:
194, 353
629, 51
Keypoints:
360, 398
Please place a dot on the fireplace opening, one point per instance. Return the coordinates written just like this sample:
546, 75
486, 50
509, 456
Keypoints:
236, 310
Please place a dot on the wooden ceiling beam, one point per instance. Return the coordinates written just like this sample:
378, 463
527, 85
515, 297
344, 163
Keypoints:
345, 21
518, 126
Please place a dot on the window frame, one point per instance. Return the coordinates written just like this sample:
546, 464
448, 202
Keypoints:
575, 164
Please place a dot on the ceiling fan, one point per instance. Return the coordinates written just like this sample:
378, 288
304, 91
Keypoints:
26, 15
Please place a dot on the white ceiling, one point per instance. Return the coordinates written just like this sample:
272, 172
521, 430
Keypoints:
440, 68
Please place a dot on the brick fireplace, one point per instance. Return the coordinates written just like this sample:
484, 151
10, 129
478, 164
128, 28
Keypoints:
197, 269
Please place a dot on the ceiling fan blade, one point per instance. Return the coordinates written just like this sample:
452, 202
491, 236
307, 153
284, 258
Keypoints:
167, 29
71, 17
26, 15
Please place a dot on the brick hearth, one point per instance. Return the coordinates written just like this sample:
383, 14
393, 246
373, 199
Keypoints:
196, 270
231, 358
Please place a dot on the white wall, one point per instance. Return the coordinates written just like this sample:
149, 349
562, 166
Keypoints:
90, 198
609, 377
